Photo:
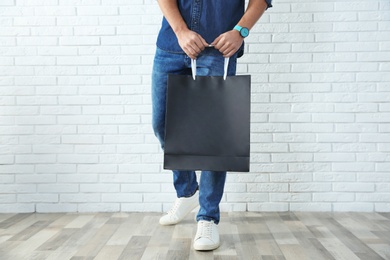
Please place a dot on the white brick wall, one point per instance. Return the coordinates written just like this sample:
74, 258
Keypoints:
75, 110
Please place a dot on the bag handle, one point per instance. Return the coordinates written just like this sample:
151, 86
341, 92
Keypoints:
225, 68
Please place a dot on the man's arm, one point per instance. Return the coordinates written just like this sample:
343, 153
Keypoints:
228, 43
191, 42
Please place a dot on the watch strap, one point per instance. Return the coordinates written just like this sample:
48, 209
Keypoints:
237, 27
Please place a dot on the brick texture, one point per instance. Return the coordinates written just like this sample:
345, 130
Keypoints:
75, 108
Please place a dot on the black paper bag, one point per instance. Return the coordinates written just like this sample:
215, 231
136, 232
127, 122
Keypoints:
207, 123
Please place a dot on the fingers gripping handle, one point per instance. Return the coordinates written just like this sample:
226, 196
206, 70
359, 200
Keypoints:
225, 68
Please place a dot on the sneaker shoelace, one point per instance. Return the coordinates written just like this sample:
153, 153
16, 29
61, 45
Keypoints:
206, 229
175, 206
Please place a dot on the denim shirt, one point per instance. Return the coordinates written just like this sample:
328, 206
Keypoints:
209, 18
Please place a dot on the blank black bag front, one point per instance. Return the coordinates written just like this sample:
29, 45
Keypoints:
207, 123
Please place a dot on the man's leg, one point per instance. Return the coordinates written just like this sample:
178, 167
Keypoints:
210, 194
187, 199
185, 182
211, 182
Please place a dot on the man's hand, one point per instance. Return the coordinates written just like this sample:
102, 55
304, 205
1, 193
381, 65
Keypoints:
228, 43
191, 43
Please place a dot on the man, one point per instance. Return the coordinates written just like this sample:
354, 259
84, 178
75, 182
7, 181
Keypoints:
208, 31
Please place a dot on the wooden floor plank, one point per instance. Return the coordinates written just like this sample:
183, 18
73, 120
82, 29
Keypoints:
98, 241
335, 246
23, 222
62, 220
122, 235
294, 251
109, 252
155, 253
26, 248
382, 249
56, 241
306, 239
79, 221
244, 235
135, 248
280, 231
11, 220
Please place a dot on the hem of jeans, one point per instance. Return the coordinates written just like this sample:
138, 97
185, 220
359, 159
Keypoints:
207, 219
191, 194
197, 188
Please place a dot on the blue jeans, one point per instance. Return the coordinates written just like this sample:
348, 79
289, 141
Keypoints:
209, 63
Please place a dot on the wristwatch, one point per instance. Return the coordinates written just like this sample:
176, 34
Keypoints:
244, 32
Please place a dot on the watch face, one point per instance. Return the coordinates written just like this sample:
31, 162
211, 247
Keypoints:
244, 32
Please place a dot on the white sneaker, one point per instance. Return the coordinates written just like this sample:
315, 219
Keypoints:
180, 209
207, 236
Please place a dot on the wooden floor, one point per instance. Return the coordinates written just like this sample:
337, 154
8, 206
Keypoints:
287, 235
